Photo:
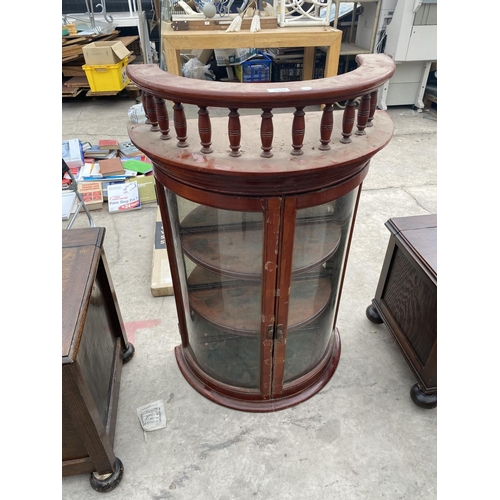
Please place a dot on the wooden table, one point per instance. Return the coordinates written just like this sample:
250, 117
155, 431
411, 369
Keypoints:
406, 299
94, 347
307, 37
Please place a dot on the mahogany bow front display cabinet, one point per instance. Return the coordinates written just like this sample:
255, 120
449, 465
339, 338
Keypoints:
258, 211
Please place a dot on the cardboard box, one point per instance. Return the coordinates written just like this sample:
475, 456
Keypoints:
203, 55
99, 53
161, 279
72, 153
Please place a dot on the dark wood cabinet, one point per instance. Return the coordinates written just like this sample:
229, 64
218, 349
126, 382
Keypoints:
406, 299
94, 347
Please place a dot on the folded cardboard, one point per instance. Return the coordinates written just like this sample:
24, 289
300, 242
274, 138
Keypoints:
161, 278
100, 53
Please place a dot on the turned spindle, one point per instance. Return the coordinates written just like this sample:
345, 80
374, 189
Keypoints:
234, 132
162, 116
205, 129
266, 132
150, 110
363, 113
298, 131
373, 107
144, 106
326, 127
180, 125
348, 121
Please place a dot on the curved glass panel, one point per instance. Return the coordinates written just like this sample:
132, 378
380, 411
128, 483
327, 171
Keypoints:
219, 254
320, 242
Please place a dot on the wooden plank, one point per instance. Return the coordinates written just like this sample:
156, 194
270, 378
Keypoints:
127, 40
77, 81
70, 70
72, 51
81, 39
91, 94
69, 92
70, 58
431, 98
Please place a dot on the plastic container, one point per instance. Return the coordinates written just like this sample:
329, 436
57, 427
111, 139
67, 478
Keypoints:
107, 77
257, 69
291, 70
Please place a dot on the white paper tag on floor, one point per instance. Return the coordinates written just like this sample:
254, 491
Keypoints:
152, 416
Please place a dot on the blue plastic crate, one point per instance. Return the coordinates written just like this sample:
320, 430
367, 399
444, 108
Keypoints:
257, 69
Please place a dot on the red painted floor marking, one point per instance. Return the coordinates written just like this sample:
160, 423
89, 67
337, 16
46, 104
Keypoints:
132, 327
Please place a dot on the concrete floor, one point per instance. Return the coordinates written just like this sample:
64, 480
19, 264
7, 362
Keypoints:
361, 437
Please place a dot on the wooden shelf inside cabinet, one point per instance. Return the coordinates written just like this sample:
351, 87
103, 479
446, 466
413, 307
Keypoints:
233, 305
231, 242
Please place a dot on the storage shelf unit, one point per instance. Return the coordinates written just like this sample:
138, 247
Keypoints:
411, 41
359, 42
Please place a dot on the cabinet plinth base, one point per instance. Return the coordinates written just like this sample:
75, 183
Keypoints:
304, 391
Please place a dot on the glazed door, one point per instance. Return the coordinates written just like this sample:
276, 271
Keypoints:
311, 266
260, 286
227, 262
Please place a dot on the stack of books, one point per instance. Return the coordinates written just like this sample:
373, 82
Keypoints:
110, 163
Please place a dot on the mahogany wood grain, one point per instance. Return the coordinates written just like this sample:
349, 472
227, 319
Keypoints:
180, 125
266, 133
298, 131
150, 110
234, 132
205, 130
373, 107
163, 118
326, 127
348, 121
363, 113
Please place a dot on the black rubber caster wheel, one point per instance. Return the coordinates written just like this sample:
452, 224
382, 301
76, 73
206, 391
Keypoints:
427, 401
373, 315
128, 353
107, 482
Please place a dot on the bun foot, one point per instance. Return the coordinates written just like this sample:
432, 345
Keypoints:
421, 399
373, 315
107, 482
128, 353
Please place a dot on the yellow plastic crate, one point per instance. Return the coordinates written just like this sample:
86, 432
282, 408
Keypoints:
107, 77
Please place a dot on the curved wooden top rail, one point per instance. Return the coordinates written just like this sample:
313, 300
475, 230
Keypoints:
373, 71
260, 152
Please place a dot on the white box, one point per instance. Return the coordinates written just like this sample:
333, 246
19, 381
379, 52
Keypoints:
72, 153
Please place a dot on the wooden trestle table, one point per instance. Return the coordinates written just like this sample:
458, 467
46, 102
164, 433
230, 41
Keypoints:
307, 37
